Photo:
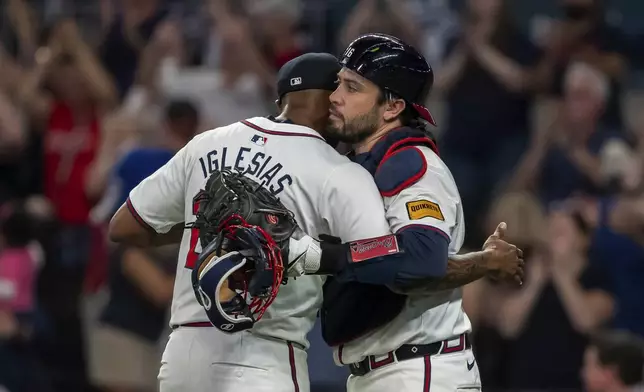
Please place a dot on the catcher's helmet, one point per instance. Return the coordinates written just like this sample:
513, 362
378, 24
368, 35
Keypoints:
393, 66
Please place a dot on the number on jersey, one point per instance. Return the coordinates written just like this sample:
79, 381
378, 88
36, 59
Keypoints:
191, 259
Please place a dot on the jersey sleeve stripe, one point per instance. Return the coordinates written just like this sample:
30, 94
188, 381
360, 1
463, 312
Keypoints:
138, 217
429, 227
279, 133
413, 141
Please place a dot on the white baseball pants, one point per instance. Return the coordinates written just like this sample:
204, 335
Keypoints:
452, 372
207, 360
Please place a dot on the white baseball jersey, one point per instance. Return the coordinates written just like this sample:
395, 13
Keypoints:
326, 191
434, 202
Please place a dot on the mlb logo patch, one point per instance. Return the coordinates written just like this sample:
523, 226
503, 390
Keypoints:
259, 140
296, 81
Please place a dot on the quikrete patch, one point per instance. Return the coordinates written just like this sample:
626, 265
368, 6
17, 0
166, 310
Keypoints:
420, 209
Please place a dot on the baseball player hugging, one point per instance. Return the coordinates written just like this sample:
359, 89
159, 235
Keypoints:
372, 241
288, 155
393, 311
392, 340
392, 308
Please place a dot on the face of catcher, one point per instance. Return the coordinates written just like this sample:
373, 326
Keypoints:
358, 109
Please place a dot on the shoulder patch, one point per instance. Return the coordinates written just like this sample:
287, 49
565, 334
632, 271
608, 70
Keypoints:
400, 170
419, 209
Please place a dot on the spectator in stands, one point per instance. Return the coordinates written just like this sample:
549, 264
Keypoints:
621, 165
124, 347
382, 16
583, 35
67, 94
13, 142
19, 171
438, 23
179, 126
545, 323
20, 29
82, 94
614, 362
526, 224
565, 158
18, 270
275, 24
235, 90
526, 220
487, 82
126, 38
616, 223
12, 133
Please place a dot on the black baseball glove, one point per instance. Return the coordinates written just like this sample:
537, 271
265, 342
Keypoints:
237, 215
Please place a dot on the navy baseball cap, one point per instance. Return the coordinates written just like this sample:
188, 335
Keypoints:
310, 71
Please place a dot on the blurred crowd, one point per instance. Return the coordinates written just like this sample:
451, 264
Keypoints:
540, 123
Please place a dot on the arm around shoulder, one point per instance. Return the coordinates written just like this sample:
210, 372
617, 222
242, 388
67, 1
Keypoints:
154, 207
352, 205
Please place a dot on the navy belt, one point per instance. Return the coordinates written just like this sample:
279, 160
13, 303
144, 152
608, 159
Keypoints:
409, 351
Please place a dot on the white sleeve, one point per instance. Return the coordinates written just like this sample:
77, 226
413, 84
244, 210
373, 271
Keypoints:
351, 204
158, 201
433, 201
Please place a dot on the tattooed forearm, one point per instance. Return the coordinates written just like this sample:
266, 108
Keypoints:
461, 270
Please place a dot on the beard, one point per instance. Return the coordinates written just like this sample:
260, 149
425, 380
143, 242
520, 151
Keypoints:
355, 129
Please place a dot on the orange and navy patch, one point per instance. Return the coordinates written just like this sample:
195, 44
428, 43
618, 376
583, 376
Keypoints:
420, 209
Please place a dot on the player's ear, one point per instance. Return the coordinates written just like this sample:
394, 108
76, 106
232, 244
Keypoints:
278, 103
393, 109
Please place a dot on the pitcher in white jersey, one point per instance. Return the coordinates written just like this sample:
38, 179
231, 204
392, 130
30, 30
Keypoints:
295, 163
328, 195
393, 310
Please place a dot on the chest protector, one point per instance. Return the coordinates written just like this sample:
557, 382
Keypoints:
350, 310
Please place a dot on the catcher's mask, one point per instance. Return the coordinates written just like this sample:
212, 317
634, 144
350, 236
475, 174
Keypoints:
253, 268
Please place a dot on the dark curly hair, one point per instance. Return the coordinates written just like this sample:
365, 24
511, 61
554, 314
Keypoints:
624, 351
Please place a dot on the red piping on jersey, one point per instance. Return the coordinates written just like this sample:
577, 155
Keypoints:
291, 360
414, 140
413, 225
428, 374
279, 133
137, 217
408, 182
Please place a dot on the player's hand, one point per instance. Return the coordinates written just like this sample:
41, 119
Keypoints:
565, 245
504, 260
